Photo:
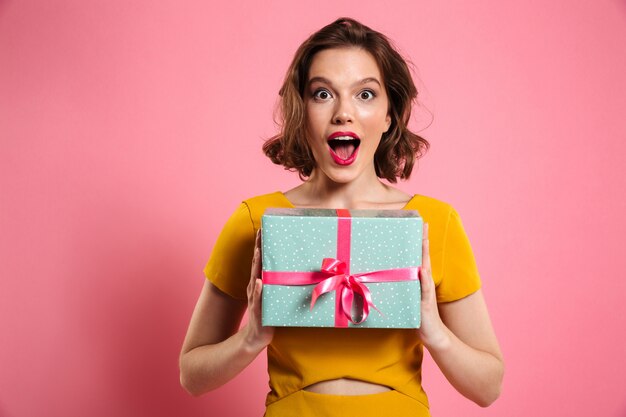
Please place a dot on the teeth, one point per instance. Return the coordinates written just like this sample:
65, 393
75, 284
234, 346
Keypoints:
344, 138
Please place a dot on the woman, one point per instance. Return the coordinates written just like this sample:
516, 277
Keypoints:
346, 102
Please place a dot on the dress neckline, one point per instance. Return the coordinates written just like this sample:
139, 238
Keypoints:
405, 207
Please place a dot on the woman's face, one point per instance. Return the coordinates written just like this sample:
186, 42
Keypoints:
346, 112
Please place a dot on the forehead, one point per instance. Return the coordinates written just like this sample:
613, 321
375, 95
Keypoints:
344, 64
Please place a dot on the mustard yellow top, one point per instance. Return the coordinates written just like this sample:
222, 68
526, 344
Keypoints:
298, 357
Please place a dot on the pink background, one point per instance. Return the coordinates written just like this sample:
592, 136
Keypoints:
130, 131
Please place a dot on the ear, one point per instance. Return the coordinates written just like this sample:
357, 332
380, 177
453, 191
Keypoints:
387, 123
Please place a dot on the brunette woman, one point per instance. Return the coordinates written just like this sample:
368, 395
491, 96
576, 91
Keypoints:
346, 102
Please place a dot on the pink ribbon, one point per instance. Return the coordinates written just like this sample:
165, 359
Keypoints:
344, 284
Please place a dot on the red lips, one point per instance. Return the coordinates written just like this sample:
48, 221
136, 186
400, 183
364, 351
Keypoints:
343, 147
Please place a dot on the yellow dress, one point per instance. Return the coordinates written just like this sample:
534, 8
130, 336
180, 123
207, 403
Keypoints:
299, 357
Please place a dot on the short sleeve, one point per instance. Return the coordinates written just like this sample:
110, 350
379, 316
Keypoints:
459, 274
231, 260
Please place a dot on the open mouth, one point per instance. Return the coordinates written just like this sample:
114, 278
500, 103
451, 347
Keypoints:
344, 147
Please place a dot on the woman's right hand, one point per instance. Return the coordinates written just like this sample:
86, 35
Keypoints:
216, 348
257, 335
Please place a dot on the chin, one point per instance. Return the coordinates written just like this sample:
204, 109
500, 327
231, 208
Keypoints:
341, 175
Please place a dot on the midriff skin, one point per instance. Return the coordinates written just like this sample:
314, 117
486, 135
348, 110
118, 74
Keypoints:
344, 386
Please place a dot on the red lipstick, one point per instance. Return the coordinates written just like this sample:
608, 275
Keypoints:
343, 147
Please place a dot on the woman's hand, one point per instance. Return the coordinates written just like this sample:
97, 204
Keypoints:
460, 339
257, 336
216, 348
432, 331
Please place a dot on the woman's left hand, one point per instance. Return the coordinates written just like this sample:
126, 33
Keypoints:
468, 356
433, 332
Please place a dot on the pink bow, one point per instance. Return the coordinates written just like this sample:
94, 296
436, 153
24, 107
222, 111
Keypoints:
347, 285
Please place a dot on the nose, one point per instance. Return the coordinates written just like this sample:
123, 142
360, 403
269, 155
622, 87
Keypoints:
343, 112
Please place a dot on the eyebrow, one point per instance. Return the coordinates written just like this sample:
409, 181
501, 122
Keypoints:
327, 81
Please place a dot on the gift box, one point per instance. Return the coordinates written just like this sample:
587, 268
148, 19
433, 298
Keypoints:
341, 268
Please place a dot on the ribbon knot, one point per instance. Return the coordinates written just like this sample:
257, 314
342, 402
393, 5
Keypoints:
346, 286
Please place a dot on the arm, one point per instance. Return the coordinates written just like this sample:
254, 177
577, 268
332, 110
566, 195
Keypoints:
214, 352
461, 340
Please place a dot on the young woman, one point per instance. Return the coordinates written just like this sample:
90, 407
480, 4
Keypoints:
346, 102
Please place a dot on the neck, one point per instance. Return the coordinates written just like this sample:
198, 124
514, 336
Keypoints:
327, 193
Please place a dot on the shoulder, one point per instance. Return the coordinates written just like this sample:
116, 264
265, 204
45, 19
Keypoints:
265, 199
442, 218
431, 208
257, 205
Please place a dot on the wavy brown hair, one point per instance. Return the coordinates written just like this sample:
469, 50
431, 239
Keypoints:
399, 147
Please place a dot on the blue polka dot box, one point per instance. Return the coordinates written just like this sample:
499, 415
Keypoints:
341, 268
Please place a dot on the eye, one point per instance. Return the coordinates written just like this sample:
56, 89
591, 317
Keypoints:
367, 95
321, 94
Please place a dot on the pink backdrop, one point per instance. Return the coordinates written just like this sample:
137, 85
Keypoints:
130, 130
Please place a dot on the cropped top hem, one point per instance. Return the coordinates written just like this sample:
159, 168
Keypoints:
408, 390
310, 404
